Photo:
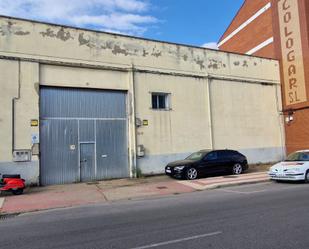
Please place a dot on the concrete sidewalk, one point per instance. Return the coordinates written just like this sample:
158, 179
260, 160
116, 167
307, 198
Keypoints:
41, 198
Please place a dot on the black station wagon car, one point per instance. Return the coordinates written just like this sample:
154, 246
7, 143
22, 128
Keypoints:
208, 162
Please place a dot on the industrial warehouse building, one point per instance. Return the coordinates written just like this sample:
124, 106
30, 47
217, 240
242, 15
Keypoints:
80, 105
280, 30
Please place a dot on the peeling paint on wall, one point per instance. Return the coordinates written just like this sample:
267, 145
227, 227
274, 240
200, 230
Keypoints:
10, 28
118, 50
61, 34
200, 63
245, 63
156, 52
82, 41
215, 64
121, 49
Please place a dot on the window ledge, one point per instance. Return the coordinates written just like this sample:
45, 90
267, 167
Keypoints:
161, 109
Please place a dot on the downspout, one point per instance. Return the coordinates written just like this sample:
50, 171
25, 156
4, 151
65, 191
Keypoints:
133, 108
210, 115
13, 106
281, 122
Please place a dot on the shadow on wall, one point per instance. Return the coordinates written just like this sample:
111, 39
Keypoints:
155, 164
263, 155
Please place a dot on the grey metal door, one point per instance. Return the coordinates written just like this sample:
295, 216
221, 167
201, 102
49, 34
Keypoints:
59, 151
111, 152
78, 124
87, 162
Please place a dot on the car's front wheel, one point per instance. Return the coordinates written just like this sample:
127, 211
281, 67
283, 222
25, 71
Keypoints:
191, 173
237, 169
18, 191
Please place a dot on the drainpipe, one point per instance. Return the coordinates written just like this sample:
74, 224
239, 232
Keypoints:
13, 107
210, 114
281, 121
134, 137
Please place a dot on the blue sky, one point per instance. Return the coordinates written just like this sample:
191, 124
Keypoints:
194, 22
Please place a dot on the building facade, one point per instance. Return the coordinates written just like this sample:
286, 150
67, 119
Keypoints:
279, 29
80, 105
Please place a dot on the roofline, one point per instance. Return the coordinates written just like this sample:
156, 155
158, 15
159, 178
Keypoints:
130, 36
243, 4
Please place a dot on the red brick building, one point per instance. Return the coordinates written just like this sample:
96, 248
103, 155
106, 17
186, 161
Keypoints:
278, 29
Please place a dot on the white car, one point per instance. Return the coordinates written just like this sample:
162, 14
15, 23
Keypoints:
294, 168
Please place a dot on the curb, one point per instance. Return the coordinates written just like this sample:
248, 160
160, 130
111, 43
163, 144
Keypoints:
231, 184
2, 199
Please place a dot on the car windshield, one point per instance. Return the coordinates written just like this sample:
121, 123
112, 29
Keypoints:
197, 155
298, 156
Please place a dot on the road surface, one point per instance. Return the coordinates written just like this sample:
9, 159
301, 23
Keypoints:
259, 216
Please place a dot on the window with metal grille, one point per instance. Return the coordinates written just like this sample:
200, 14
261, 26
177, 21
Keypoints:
160, 101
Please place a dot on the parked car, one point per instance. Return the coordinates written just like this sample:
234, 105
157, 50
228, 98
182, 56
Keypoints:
208, 162
294, 168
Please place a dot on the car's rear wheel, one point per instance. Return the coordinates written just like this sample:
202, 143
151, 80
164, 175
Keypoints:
307, 177
237, 169
191, 173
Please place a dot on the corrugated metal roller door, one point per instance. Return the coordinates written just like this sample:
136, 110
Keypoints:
83, 135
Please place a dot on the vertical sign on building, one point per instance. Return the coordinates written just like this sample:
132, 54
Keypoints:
292, 53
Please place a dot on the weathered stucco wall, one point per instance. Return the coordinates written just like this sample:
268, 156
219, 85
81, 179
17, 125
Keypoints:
176, 132
51, 42
9, 90
247, 117
218, 100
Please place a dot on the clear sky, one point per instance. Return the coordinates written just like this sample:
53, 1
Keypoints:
193, 22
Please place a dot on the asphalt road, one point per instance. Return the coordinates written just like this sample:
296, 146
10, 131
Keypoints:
260, 216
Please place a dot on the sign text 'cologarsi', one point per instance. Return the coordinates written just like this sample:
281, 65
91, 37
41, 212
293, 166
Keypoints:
292, 55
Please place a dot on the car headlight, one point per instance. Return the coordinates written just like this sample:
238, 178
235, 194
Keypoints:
179, 168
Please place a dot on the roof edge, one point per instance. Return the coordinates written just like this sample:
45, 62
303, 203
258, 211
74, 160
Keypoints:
130, 36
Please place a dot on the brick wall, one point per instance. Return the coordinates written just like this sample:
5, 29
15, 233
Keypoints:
262, 28
297, 132
248, 9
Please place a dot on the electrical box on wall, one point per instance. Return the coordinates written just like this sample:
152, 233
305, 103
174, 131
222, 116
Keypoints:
140, 150
138, 122
21, 155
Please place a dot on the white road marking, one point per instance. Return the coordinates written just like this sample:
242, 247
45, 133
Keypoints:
178, 240
1, 202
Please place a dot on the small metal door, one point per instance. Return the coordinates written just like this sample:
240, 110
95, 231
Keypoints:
87, 161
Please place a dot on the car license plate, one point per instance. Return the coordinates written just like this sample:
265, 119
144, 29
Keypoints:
168, 171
